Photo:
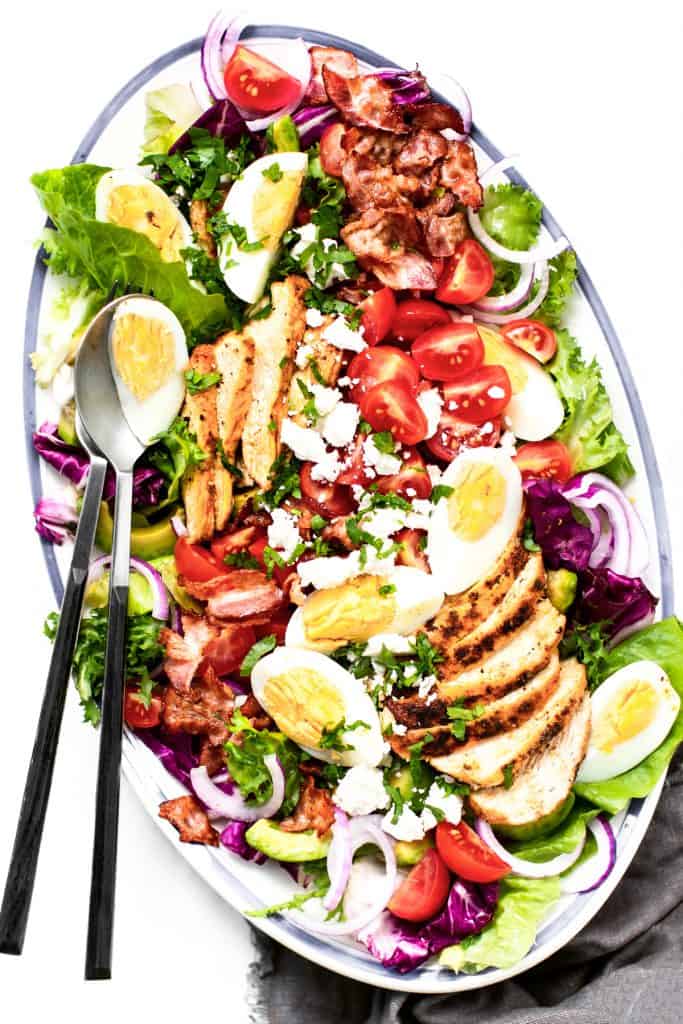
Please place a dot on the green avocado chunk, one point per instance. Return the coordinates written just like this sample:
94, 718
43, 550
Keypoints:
282, 136
410, 852
403, 782
166, 568
293, 847
139, 594
562, 588
66, 428
146, 542
539, 828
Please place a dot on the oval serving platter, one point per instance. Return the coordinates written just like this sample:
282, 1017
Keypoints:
113, 139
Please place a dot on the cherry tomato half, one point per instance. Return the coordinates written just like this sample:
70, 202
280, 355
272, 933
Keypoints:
423, 893
256, 549
480, 396
467, 855
375, 365
548, 459
332, 153
411, 481
391, 406
448, 352
467, 276
453, 435
414, 316
256, 84
196, 563
412, 553
328, 500
136, 715
534, 337
378, 313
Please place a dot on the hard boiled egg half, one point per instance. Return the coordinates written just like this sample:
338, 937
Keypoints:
632, 713
400, 602
535, 410
148, 356
308, 696
131, 200
261, 203
470, 528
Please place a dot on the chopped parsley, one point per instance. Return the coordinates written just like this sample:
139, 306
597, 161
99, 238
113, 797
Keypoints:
508, 777
246, 751
175, 453
384, 442
317, 375
241, 560
272, 558
318, 523
528, 536
308, 409
459, 716
262, 647
225, 461
196, 381
386, 589
439, 492
333, 736
317, 298
285, 480
273, 172
589, 644
203, 169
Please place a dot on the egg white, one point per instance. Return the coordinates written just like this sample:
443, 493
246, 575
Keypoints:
246, 273
154, 414
598, 764
457, 563
367, 745
135, 177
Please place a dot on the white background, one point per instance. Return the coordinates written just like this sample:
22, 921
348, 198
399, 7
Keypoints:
589, 94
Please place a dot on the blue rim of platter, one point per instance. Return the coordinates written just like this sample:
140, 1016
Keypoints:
352, 962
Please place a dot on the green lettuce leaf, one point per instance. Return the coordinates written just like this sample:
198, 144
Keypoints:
107, 256
593, 440
562, 277
523, 904
168, 113
511, 215
662, 642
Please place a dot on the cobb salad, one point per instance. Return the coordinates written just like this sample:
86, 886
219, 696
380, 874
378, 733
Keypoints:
387, 620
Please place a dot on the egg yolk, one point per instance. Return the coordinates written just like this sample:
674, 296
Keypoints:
273, 208
353, 611
499, 353
143, 350
631, 713
303, 703
477, 501
143, 209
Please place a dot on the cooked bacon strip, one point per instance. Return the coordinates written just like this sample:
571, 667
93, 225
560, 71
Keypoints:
421, 150
314, 810
411, 270
444, 234
341, 61
252, 710
382, 235
459, 173
369, 184
242, 594
184, 653
436, 116
204, 710
187, 815
364, 100
211, 756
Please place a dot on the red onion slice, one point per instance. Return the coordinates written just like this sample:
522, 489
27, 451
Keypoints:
626, 552
542, 275
507, 301
339, 860
219, 43
593, 872
179, 527
233, 805
528, 868
160, 604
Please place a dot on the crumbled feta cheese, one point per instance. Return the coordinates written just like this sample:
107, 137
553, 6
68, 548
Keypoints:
374, 564
240, 699
408, 827
328, 468
339, 334
339, 426
325, 398
361, 791
308, 233
385, 465
283, 532
392, 641
304, 353
425, 685
307, 444
347, 382
417, 521
508, 443
383, 522
63, 384
449, 803
314, 318
422, 506
434, 474
431, 403
400, 729
495, 392
322, 573
486, 428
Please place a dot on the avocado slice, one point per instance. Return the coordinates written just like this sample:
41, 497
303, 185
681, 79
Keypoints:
269, 838
403, 782
166, 567
282, 136
539, 828
139, 594
146, 542
562, 588
410, 852
66, 428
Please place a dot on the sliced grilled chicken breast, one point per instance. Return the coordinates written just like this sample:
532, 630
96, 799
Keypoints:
545, 783
198, 487
483, 763
323, 366
275, 343
234, 358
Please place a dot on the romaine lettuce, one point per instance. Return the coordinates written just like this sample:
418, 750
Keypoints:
169, 112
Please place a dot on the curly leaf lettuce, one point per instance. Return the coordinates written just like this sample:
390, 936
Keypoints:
588, 430
662, 642
107, 256
511, 215
563, 272
523, 904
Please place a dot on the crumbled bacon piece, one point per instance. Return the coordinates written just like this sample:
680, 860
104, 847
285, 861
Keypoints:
211, 756
191, 820
292, 588
436, 116
382, 235
203, 710
365, 101
336, 531
410, 270
341, 61
314, 810
242, 594
459, 173
369, 184
421, 150
184, 654
444, 234
252, 710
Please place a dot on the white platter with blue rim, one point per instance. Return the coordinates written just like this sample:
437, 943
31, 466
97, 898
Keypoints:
114, 141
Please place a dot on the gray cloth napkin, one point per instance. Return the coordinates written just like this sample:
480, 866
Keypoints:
626, 966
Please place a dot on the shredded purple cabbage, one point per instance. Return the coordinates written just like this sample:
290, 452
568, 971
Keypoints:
232, 837
173, 750
408, 86
404, 946
55, 520
565, 543
222, 120
621, 601
312, 121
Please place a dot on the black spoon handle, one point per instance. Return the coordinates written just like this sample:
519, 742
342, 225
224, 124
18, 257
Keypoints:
22, 870
103, 879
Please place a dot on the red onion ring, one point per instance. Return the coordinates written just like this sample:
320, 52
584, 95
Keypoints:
160, 604
541, 269
233, 805
179, 527
507, 301
623, 547
528, 868
221, 37
339, 860
593, 872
